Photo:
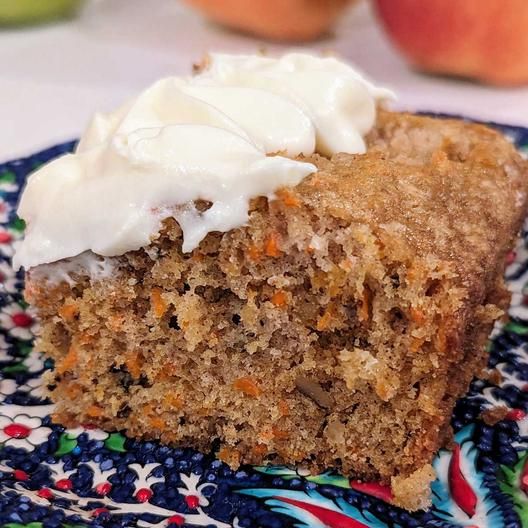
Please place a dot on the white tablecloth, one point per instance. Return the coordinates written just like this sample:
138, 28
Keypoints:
53, 77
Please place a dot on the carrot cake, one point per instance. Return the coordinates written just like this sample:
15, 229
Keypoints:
263, 260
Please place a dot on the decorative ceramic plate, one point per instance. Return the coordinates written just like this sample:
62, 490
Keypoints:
52, 477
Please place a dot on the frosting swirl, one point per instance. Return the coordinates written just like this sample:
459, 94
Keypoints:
205, 137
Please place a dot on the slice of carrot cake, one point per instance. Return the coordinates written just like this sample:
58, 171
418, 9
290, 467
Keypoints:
263, 258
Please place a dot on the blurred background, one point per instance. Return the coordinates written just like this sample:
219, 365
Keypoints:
60, 60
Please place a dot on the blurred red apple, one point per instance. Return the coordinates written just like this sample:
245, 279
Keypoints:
480, 39
291, 20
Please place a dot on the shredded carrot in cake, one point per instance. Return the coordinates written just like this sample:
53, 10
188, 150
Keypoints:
73, 390
288, 198
173, 401
279, 434
116, 322
68, 311
248, 386
384, 389
279, 298
229, 455
325, 320
260, 450
133, 364
148, 409
157, 422
159, 306
167, 370
416, 344
266, 435
411, 274
94, 411
162, 375
69, 361
417, 316
271, 247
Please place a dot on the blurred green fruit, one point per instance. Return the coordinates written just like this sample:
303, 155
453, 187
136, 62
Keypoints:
13, 12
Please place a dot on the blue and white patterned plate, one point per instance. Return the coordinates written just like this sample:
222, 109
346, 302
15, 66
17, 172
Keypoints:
52, 477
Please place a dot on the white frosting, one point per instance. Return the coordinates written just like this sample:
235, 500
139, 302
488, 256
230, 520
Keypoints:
183, 139
339, 101
269, 121
87, 263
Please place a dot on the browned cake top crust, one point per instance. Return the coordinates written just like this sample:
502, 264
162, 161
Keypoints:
443, 188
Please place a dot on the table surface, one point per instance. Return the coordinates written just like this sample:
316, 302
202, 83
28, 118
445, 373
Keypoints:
53, 77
